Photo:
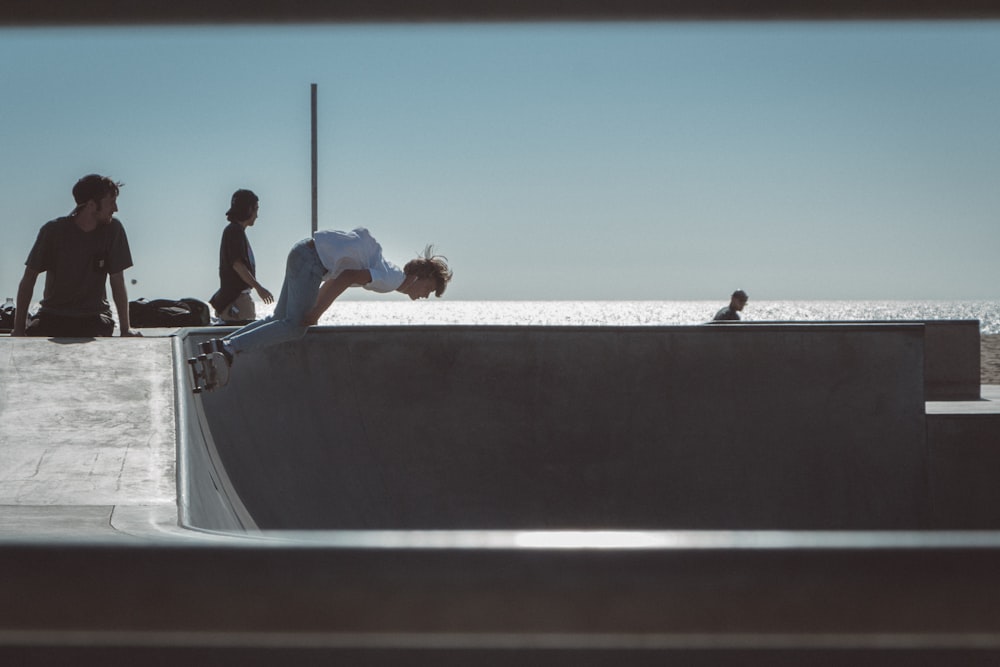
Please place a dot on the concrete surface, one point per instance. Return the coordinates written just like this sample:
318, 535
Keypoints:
711, 600
951, 360
579, 428
964, 441
87, 432
951, 355
94, 568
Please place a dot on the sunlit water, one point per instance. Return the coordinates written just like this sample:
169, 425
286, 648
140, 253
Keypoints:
643, 313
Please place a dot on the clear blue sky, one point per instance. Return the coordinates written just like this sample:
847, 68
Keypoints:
580, 161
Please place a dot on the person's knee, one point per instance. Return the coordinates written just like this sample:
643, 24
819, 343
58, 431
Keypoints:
48, 325
34, 328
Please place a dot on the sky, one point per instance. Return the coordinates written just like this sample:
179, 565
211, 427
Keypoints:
575, 161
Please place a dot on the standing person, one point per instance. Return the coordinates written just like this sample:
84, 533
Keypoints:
318, 271
732, 311
237, 268
78, 253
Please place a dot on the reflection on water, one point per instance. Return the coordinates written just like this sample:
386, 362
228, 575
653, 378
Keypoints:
643, 313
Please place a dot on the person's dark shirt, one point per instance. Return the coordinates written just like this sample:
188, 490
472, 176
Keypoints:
77, 264
235, 246
727, 313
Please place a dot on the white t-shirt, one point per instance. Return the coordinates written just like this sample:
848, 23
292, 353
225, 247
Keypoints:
357, 250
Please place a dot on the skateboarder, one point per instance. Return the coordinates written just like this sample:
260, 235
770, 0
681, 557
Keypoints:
318, 271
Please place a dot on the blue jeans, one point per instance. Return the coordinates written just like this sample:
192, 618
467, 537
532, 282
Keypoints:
303, 275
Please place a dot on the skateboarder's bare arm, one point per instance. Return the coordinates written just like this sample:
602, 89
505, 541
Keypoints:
333, 288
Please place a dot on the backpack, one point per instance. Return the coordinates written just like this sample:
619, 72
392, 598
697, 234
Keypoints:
168, 313
6, 319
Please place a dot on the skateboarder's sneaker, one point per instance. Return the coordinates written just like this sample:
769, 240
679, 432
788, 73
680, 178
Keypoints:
209, 346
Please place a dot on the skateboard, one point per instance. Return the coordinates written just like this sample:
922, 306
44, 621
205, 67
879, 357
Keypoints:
208, 372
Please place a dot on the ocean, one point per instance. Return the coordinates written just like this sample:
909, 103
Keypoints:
643, 313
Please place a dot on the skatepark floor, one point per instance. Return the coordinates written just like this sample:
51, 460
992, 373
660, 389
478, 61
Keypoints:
88, 437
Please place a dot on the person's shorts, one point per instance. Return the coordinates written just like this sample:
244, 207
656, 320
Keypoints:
63, 326
240, 311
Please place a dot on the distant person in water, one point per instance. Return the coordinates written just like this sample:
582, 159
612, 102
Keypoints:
237, 268
318, 271
732, 311
79, 253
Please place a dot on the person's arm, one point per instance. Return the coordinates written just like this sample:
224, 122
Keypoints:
244, 272
25, 290
120, 295
333, 288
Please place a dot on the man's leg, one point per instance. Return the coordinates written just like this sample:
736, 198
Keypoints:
303, 273
61, 326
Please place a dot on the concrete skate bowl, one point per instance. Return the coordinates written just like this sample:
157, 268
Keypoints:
788, 427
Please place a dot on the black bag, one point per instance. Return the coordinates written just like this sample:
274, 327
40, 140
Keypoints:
168, 313
6, 319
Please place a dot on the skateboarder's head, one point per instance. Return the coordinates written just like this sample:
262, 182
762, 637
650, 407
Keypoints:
242, 206
432, 267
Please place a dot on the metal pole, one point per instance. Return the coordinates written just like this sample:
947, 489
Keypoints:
315, 197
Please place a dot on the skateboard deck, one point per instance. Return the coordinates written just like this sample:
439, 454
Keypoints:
208, 372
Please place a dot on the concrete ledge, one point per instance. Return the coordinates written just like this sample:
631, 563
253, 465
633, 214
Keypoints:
744, 599
951, 355
951, 360
965, 458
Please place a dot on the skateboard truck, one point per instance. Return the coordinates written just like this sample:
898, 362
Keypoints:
208, 372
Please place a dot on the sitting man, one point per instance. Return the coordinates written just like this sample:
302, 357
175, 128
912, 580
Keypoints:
78, 253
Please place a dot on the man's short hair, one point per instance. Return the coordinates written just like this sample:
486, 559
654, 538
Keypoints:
94, 187
741, 295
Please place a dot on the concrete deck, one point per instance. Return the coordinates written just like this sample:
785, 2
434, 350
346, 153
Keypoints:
90, 543
88, 438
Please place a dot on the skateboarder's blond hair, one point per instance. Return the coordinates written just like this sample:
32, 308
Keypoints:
429, 265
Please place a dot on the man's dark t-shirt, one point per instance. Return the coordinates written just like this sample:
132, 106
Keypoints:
726, 314
235, 246
77, 264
